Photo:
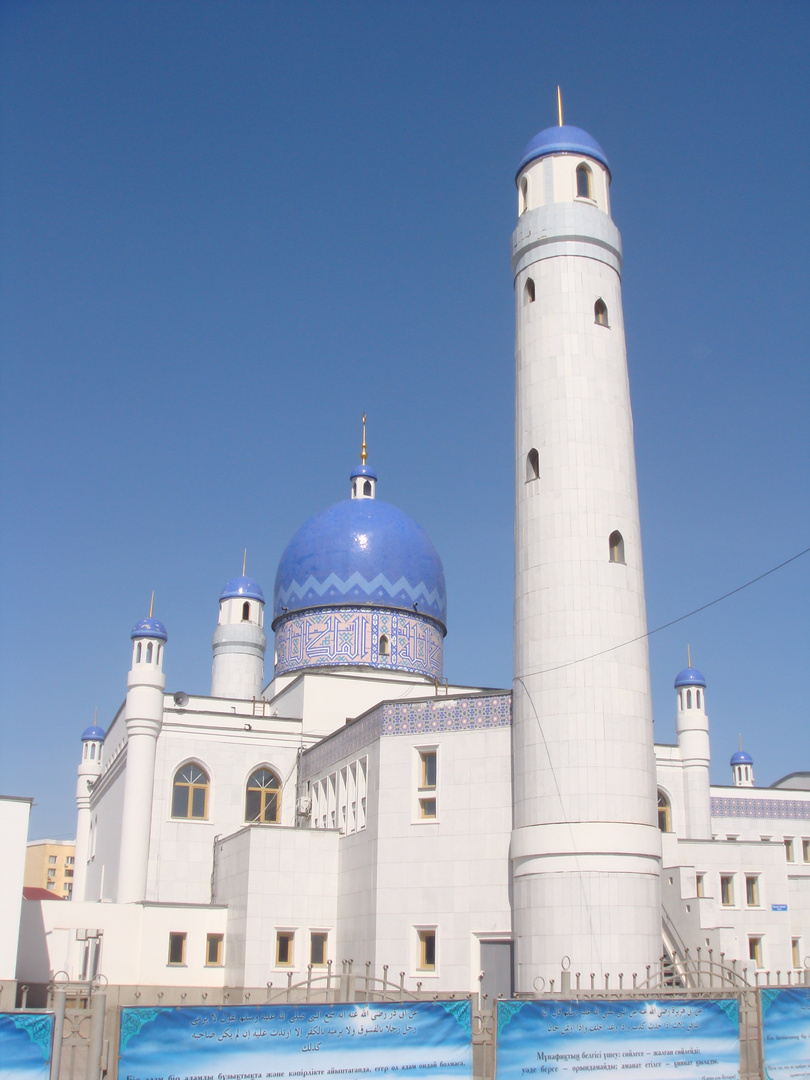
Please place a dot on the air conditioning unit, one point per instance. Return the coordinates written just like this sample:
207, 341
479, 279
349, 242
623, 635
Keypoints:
304, 805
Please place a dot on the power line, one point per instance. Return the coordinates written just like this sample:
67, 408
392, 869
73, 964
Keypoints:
672, 622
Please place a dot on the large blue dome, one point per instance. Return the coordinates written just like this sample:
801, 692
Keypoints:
562, 140
361, 552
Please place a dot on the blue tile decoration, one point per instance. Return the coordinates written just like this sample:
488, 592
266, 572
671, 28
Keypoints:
470, 712
790, 809
348, 636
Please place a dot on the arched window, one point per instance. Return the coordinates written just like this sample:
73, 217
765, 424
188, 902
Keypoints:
689, 699
138, 654
697, 698
263, 798
190, 793
664, 813
92, 751
385, 648
524, 196
583, 182
680, 700
245, 612
528, 291
367, 487
600, 313
149, 653
616, 546
532, 465
158, 653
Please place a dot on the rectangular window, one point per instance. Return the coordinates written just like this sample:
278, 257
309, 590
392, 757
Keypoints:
752, 890
727, 890
789, 848
177, 949
427, 784
213, 950
796, 951
755, 950
427, 950
51, 872
284, 948
51, 859
68, 873
69, 860
317, 949
806, 850
51, 884
700, 884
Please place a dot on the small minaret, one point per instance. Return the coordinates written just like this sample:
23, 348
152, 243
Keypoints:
239, 641
692, 726
88, 772
363, 478
742, 768
144, 718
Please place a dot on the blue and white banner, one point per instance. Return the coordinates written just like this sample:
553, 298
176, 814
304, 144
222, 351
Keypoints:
26, 1040
597, 1040
786, 1033
298, 1042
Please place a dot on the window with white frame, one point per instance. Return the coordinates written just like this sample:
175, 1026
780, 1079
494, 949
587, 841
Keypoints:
427, 767
426, 948
727, 890
752, 890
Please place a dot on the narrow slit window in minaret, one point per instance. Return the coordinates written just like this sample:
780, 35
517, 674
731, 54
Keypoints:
532, 466
524, 196
367, 487
583, 182
528, 292
600, 313
149, 653
384, 647
616, 544
245, 612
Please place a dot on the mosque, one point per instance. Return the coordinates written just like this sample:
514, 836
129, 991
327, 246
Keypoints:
351, 803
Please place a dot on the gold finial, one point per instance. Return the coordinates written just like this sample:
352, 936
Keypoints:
559, 107
152, 604
688, 657
741, 742
244, 562
95, 716
363, 454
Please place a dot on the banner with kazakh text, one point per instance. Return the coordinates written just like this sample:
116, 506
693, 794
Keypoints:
25, 1045
617, 1040
786, 1033
298, 1042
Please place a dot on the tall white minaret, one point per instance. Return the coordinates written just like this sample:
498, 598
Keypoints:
239, 641
692, 726
144, 719
88, 772
585, 848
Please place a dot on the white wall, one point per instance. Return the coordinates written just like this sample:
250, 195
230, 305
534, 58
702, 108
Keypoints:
14, 813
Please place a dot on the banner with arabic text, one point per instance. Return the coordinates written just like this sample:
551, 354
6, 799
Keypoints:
25, 1045
289, 1042
617, 1040
786, 1033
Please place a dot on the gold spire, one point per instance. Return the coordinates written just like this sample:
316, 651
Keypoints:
559, 107
688, 657
740, 742
244, 562
152, 604
363, 453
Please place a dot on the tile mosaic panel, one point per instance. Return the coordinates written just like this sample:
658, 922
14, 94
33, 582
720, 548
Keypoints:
789, 809
367, 637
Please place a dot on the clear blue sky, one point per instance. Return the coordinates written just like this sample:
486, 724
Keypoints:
231, 227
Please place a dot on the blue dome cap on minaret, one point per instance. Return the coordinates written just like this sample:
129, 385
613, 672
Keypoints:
242, 586
741, 757
563, 139
361, 552
93, 734
363, 470
150, 627
690, 677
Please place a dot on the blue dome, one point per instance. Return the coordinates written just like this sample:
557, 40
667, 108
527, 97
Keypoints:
562, 140
742, 757
363, 470
93, 734
361, 552
690, 677
242, 587
149, 628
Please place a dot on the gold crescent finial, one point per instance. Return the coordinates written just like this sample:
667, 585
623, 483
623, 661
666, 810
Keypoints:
244, 562
559, 107
688, 656
152, 604
363, 453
